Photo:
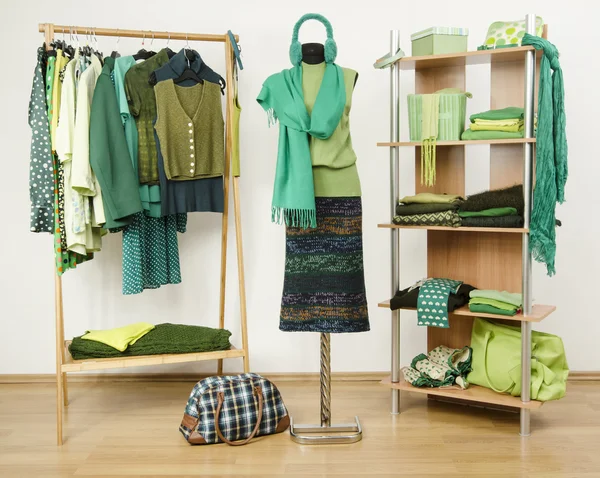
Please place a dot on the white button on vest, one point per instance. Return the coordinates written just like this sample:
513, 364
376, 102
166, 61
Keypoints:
192, 155
191, 164
189, 124
191, 140
191, 131
191, 170
191, 147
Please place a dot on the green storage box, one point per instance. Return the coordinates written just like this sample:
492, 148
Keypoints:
453, 113
437, 40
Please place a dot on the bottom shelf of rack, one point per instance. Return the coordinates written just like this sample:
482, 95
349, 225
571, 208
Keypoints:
474, 393
71, 365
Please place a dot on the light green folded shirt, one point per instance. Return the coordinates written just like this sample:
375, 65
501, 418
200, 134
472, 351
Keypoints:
430, 198
470, 135
493, 212
121, 337
493, 127
492, 302
505, 122
511, 112
506, 297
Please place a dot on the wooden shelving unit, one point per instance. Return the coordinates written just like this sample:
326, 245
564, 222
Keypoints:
488, 258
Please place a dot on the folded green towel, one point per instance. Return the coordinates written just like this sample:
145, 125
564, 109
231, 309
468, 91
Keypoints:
164, 339
493, 212
410, 209
470, 135
514, 128
505, 113
493, 302
443, 218
488, 309
503, 296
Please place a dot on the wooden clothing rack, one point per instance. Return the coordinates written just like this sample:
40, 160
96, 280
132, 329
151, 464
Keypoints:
64, 361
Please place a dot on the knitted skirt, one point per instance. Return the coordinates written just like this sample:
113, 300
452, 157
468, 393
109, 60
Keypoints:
324, 285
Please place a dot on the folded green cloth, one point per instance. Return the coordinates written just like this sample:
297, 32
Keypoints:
511, 112
442, 367
443, 218
488, 309
429, 198
503, 296
410, 209
497, 127
493, 302
164, 339
498, 221
470, 135
494, 198
496, 211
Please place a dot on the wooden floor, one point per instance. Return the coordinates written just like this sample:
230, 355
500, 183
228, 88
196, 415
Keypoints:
131, 429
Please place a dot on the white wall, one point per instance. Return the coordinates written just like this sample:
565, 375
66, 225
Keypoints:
93, 292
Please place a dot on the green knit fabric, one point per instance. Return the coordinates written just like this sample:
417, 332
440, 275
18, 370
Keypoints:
551, 154
488, 309
164, 339
493, 212
493, 302
512, 298
283, 99
512, 112
411, 209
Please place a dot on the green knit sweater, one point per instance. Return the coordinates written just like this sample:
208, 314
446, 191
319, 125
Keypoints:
164, 339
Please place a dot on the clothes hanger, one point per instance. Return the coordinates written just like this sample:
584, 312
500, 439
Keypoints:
188, 73
143, 54
115, 53
96, 50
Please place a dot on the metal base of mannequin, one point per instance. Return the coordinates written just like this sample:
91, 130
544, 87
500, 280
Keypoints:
326, 433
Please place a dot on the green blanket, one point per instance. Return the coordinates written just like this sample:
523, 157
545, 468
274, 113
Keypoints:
443, 218
488, 309
410, 209
164, 339
500, 221
512, 112
493, 212
469, 135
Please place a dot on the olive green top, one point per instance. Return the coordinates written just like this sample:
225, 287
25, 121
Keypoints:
142, 105
333, 159
190, 129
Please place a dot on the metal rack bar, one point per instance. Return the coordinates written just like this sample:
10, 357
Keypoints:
528, 159
394, 196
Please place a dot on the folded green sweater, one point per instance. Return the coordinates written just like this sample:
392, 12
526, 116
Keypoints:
498, 221
493, 212
488, 309
164, 339
511, 112
493, 302
410, 209
503, 296
470, 135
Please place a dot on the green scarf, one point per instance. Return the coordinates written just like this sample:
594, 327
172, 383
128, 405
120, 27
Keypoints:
429, 133
282, 98
551, 154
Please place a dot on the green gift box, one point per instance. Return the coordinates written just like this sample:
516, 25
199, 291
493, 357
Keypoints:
437, 40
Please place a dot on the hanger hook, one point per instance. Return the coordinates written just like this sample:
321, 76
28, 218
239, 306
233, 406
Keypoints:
118, 38
187, 42
152, 41
168, 38
143, 38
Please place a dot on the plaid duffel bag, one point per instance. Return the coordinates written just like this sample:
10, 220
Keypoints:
233, 409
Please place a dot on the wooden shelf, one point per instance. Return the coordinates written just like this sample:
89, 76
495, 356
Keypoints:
71, 365
517, 230
462, 143
474, 393
538, 313
477, 57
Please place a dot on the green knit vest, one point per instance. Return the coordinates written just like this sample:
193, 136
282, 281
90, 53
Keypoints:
190, 129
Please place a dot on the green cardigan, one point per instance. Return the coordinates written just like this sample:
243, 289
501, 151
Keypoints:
109, 155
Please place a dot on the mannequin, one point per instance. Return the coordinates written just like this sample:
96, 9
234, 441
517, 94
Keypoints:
314, 53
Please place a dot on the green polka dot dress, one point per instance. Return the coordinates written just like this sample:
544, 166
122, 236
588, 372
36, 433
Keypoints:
41, 180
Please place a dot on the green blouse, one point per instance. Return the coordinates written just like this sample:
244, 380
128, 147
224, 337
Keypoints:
142, 105
190, 129
333, 159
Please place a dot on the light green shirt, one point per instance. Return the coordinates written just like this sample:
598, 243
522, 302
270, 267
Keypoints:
333, 159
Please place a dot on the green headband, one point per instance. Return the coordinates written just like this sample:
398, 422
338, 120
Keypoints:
296, 46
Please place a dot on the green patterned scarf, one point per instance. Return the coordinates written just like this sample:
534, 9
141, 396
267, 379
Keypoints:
432, 304
551, 154
282, 98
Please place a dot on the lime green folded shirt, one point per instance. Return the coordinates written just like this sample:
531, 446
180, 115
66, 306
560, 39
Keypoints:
121, 337
494, 303
488, 309
494, 127
506, 297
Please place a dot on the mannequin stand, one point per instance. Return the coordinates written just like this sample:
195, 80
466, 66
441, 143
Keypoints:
326, 433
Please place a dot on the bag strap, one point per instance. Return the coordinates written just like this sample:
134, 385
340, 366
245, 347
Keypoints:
220, 399
488, 336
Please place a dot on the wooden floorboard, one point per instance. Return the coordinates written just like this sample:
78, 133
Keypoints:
131, 429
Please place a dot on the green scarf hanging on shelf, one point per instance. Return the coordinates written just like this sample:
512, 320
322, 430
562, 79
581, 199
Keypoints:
551, 154
429, 133
283, 99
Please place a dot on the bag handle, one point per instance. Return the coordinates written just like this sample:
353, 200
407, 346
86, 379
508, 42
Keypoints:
488, 336
220, 399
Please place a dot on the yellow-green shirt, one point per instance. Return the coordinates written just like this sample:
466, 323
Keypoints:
333, 159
